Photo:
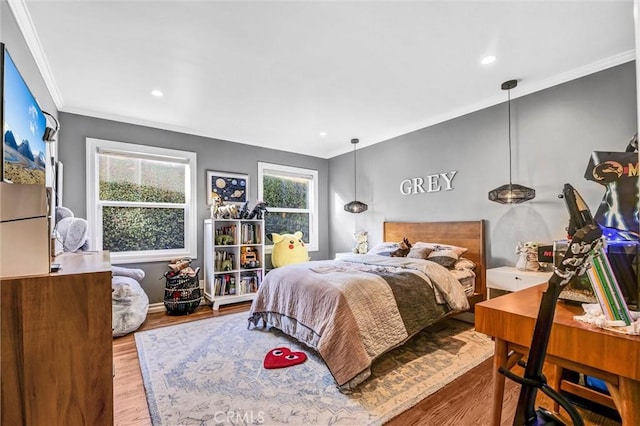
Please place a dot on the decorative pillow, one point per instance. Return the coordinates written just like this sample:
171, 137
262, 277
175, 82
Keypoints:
437, 246
444, 257
464, 263
419, 252
119, 271
384, 249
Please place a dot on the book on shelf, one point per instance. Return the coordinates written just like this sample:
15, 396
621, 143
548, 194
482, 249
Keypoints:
250, 282
231, 285
224, 285
217, 286
251, 233
226, 230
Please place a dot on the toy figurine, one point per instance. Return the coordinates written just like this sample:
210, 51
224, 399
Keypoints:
258, 211
244, 211
528, 260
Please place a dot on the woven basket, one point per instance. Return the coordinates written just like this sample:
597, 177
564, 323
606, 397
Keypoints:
182, 294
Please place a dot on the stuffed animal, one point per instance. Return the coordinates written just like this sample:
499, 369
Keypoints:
403, 250
288, 249
362, 245
71, 231
178, 265
181, 266
528, 260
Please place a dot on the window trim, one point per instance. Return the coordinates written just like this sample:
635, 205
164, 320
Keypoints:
313, 208
94, 215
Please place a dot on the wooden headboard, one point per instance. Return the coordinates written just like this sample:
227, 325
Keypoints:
469, 234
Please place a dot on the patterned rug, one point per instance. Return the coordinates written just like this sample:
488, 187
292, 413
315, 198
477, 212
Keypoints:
209, 372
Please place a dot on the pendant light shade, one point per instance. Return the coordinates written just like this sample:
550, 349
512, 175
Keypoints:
355, 206
511, 193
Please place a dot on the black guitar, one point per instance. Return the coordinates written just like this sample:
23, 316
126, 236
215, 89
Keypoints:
586, 237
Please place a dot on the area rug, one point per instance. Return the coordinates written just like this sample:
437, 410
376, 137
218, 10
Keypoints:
210, 372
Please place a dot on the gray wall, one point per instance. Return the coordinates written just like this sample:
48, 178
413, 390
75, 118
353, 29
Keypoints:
213, 154
554, 132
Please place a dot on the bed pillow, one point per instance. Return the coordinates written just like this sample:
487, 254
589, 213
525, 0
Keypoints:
464, 263
438, 246
445, 257
419, 252
384, 249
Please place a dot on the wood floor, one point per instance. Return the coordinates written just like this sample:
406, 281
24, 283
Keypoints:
466, 401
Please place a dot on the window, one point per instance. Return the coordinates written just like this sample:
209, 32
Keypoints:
141, 201
291, 195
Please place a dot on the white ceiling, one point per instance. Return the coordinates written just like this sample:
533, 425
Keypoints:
277, 74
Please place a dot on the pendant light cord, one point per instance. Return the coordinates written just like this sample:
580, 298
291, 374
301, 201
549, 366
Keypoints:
509, 109
355, 185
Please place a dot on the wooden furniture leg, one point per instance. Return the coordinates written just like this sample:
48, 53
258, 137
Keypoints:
555, 384
499, 360
629, 397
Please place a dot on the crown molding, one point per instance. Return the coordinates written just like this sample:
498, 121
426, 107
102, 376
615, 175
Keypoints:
524, 88
592, 68
25, 23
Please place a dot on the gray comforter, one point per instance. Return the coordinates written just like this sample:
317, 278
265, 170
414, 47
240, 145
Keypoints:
354, 309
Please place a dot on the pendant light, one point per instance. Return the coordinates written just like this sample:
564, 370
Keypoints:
355, 206
511, 193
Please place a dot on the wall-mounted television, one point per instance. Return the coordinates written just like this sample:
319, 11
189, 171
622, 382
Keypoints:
23, 125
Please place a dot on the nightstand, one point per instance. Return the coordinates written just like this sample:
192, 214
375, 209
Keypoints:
509, 279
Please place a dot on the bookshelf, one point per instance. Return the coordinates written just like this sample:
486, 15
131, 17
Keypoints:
233, 259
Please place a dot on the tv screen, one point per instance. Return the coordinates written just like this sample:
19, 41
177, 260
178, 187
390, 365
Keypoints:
23, 125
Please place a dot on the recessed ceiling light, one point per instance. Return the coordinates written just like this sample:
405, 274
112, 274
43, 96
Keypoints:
488, 59
323, 134
157, 93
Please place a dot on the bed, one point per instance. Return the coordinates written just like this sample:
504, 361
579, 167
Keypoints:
354, 309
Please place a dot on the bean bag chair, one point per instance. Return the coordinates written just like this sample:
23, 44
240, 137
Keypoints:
129, 302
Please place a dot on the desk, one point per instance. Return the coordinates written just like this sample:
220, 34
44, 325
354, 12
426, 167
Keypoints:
581, 347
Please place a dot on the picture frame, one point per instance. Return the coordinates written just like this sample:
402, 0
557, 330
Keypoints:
232, 188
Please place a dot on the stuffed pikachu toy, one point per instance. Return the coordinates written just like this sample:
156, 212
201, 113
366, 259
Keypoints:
288, 249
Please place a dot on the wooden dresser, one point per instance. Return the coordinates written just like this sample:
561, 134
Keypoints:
57, 356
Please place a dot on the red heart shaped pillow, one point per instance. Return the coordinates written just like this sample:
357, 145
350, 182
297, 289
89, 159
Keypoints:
283, 357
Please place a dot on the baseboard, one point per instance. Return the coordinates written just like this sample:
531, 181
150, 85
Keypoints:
159, 307
156, 307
